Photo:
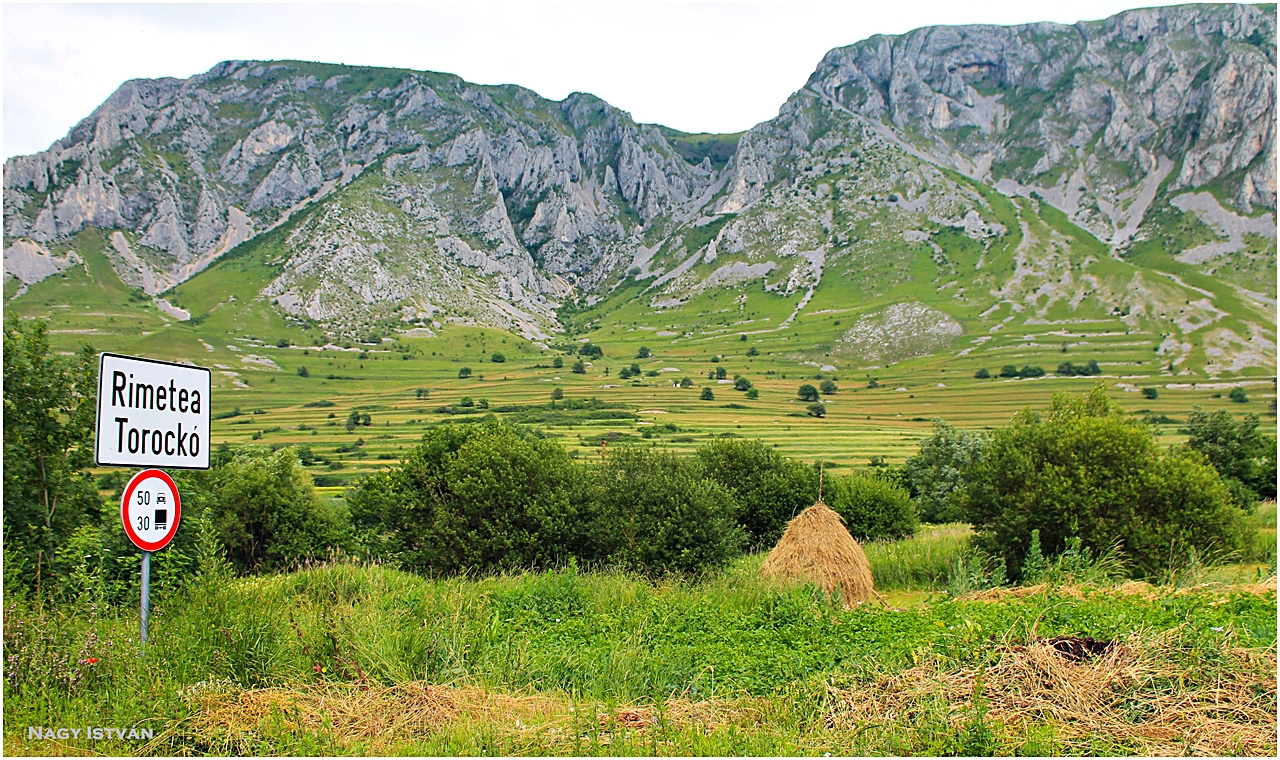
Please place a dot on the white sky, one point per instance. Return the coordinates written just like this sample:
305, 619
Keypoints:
698, 67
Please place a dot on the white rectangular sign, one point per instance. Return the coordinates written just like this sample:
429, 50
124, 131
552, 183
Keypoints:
152, 414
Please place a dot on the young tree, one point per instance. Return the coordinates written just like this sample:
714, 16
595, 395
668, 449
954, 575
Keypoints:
708, 394
828, 387
644, 353
807, 392
464, 373
686, 383
817, 410
721, 373
1244, 457
982, 374
557, 393
873, 508
557, 362
579, 368
49, 407
741, 384
940, 472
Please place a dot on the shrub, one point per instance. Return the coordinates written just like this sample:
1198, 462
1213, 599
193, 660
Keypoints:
686, 383
1086, 471
557, 362
473, 497
265, 510
466, 401
1150, 393
828, 387
1009, 370
753, 393
753, 351
873, 509
557, 393
579, 368
464, 373
659, 513
721, 373
1067, 369
1244, 457
303, 372
939, 473
742, 384
708, 394
817, 410
1029, 371
644, 353
1238, 395
591, 351
982, 374
807, 392
768, 487
497, 358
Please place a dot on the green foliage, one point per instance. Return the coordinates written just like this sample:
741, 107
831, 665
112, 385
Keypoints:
753, 351
721, 373
464, 373
557, 393
266, 511
659, 513
1244, 457
939, 473
769, 488
497, 358
807, 392
1151, 393
982, 374
707, 394
579, 368
873, 508
1085, 471
473, 497
557, 362
741, 384
303, 372
753, 393
1238, 395
644, 353
816, 410
1068, 369
828, 387
49, 407
590, 351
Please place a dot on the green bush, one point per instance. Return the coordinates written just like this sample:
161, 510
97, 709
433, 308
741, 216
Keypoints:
873, 508
982, 374
708, 395
497, 358
659, 513
768, 487
807, 392
828, 387
1083, 470
473, 497
1237, 450
939, 473
265, 510
817, 410
1238, 395
464, 373
1151, 393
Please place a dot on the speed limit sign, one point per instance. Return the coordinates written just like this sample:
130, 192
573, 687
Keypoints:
150, 510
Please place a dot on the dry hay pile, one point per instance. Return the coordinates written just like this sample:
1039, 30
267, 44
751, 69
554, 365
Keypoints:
351, 713
1128, 588
1135, 695
817, 548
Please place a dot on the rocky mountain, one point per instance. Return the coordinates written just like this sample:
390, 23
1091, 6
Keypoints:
1031, 169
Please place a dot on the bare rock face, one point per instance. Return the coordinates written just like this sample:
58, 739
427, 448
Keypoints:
1041, 105
411, 196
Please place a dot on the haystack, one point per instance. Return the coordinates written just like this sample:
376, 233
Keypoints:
817, 548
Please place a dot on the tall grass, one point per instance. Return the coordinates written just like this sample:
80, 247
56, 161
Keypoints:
923, 561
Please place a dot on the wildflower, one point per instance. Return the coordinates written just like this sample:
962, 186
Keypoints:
316, 668
1216, 628
93, 660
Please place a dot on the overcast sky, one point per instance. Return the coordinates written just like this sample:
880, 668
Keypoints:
713, 67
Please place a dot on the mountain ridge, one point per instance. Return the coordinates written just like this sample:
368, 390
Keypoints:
436, 200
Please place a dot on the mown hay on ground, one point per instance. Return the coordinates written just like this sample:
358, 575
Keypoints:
817, 548
1136, 696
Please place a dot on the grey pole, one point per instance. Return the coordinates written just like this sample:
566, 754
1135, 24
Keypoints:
146, 596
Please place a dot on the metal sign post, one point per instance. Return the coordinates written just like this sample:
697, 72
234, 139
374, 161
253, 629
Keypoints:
150, 510
151, 414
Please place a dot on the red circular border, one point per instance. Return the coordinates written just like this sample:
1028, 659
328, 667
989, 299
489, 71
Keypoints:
124, 510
